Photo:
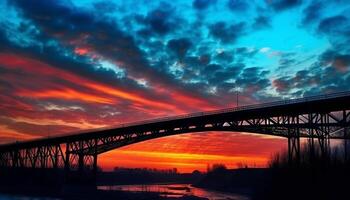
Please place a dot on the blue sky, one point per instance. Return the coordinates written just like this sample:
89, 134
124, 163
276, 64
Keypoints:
278, 37
100, 63
67, 65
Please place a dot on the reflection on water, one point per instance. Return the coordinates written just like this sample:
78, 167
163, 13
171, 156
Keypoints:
165, 190
15, 197
176, 190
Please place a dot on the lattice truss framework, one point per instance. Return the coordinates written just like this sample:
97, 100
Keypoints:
82, 154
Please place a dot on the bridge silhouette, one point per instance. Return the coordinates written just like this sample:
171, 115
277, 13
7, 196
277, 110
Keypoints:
321, 118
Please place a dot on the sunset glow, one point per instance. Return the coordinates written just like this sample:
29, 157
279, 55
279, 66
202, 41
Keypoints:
71, 65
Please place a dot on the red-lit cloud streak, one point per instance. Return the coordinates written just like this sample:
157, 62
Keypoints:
43, 100
71, 66
98, 93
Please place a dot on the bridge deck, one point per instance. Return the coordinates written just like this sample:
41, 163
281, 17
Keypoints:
321, 103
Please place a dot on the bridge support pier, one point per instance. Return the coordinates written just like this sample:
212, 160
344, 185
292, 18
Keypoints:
346, 134
67, 160
346, 150
324, 147
293, 150
94, 168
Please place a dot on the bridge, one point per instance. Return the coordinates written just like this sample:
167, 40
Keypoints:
319, 117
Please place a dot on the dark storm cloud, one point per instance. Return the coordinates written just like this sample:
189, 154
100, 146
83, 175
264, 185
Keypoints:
105, 7
55, 18
252, 80
334, 25
202, 4
282, 85
245, 52
159, 21
261, 22
280, 5
52, 56
103, 38
287, 60
179, 46
330, 73
331, 58
227, 33
337, 30
225, 56
312, 12
237, 5
219, 77
212, 68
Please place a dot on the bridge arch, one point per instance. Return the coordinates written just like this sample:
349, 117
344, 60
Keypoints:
321, 117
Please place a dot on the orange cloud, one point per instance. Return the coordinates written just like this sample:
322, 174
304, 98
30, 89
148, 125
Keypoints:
186, 152
7, 135
81, 50
68, 94
38, 67
132, 97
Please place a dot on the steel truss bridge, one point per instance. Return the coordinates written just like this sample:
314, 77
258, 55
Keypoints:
318, 117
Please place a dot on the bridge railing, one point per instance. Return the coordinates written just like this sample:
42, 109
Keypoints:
240, 108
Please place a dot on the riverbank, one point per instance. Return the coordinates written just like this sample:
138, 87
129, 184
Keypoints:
244, 181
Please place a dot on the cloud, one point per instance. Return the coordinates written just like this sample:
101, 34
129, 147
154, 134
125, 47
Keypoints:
312, 12
342, 63
225, 56
202, 4
330, 73
227, 33
336, 60
237, 5
280, 5
261, 22
179, 46
287, 60
252, 80
159, 21
105, 7
333, 25
102, 39
282, 85
245, 52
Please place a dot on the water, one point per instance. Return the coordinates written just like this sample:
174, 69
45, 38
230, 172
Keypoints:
19, 197
176, 190
165, 190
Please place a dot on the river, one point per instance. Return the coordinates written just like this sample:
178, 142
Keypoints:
165, 190
176, 190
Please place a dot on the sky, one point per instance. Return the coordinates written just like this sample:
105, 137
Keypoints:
70, 65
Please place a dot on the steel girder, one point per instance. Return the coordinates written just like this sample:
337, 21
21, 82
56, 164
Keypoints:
82, 154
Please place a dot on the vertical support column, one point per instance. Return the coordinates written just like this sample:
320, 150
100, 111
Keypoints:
298, 139
81, 157
324, 140
346, 141
55, 163
293, 141
15, 159
294, 150
311, 141
67, 161
95, 158
346, 150
2, 160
